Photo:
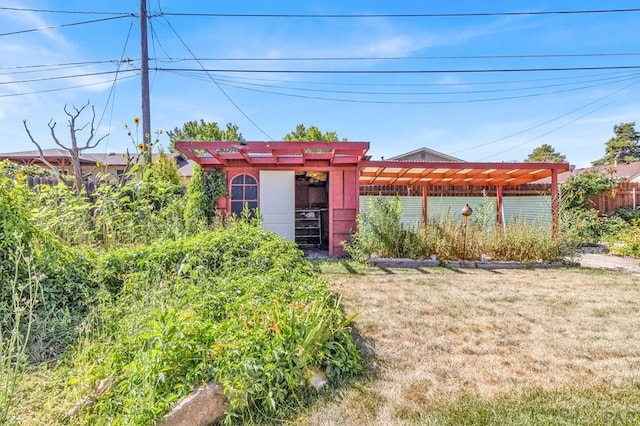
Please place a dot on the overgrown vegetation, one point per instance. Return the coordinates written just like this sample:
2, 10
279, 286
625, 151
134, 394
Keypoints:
381, 233
239, 306
112, 289
45, 290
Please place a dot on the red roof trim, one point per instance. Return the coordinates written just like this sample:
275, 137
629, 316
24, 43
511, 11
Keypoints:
243, 154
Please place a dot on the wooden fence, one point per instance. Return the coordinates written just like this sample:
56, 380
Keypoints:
35, 181
627, 194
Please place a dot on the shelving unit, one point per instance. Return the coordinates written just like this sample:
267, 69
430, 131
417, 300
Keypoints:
308, 228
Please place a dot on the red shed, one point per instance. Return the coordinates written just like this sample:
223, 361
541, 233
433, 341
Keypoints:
309, 192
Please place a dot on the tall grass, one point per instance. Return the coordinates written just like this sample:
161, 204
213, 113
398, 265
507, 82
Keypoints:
381, 233
15, 328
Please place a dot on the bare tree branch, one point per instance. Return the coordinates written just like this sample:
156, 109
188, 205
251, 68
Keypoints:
53, 135
42, 158
74, 150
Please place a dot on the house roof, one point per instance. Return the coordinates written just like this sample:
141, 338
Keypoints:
51, 155
61, 156
630, 172
425, 150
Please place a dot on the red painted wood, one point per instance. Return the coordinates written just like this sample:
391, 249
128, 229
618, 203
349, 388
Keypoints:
336, 193
344, 214
350, 189
499, 205
343, 207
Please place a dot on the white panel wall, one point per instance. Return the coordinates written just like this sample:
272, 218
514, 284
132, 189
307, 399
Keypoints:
277, 202
533, 208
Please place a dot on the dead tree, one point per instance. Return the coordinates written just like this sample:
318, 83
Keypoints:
75, 150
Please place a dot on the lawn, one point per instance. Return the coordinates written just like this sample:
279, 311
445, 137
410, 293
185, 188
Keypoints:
558, 346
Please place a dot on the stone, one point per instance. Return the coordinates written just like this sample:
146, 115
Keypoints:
103, 386
317, 378
203, 407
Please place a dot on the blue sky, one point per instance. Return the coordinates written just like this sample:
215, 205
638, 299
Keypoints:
398, 82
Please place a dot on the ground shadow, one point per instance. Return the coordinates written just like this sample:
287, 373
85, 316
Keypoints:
350, 269
367, 347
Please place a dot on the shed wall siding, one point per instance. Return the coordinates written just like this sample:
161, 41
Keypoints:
343, 208
532, 208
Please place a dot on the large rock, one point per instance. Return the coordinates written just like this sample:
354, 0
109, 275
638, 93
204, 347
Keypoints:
204, 406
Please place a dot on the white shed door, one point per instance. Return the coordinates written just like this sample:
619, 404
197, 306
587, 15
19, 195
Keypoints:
277, 202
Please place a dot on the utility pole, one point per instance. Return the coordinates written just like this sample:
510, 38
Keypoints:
144, 68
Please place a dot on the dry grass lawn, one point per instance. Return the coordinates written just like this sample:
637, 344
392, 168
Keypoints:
489, 347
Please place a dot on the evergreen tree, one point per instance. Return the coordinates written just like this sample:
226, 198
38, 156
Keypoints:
545, 154
623, 147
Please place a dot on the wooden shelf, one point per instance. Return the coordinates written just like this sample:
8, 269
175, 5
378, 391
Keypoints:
308, 228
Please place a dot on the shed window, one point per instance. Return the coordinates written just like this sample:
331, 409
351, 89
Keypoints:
244, 191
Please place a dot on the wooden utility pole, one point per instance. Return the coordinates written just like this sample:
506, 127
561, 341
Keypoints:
144, 69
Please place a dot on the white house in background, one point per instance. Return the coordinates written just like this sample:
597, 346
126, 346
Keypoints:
424, 154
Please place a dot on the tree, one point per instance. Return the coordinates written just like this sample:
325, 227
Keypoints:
545, 154
203, 131
75, 149
623, 147
311, 134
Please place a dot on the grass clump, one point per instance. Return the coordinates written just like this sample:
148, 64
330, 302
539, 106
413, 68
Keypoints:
380, 233
239, 306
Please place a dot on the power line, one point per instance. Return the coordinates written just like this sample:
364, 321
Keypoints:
601, 81
226, 95
404, 71
64, 64
62, 77
401, 15
403, 58
59, 89
549, 121
414, 102
77, 12
329, 15
237, 79
51, 27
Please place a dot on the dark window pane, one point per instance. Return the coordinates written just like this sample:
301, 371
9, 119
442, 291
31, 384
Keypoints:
236, 192
252, 205
236, 207
238, 180
251, 192
249, 180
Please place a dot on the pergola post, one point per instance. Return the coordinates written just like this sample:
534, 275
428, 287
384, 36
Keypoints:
499, 205
555, 202
425, 192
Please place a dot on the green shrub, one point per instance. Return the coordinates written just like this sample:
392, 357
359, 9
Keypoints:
240, 306
628, 242
380, 231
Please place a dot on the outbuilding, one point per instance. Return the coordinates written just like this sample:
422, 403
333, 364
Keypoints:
308, 192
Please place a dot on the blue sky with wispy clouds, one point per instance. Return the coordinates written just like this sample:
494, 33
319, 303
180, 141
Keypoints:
481, 87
